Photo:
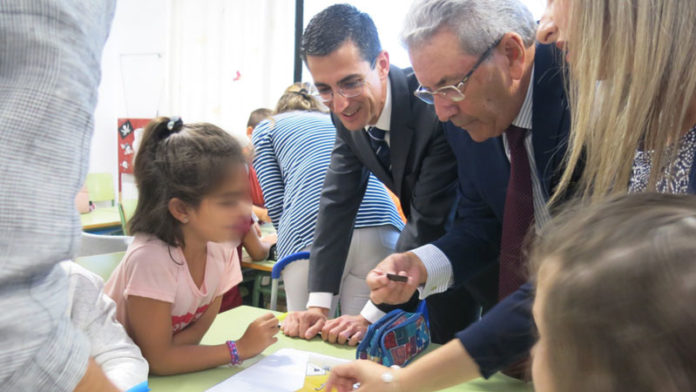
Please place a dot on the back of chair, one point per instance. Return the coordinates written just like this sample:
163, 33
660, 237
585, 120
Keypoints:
126, 209
95, 244
100, 187
278, 268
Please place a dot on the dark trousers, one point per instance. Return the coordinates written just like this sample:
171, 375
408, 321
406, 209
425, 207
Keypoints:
448, 312
451, 312
459, 306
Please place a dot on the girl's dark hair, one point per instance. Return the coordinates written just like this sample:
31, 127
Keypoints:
186, 161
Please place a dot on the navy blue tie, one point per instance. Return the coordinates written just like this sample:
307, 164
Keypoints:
380, 147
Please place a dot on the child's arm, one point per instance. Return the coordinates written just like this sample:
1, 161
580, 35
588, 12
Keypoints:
257, 249
149, 322
261, 213
194, 332
94, 313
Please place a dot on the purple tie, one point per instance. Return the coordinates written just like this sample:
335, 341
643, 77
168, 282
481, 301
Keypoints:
517, 216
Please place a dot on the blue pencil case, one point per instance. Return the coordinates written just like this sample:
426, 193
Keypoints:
395, 339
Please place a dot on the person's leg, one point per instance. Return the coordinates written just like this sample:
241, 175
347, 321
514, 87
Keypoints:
451, 312
369, 246
295, 276
456, 308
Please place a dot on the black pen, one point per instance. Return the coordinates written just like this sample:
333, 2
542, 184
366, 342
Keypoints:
397, 278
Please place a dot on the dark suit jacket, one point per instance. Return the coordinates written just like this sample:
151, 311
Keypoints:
507, 332
423, 177
473, 243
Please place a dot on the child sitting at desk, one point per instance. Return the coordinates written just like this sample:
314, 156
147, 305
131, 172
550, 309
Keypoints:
192, 211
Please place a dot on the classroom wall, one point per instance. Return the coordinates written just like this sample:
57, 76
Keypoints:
213, 60
132, 65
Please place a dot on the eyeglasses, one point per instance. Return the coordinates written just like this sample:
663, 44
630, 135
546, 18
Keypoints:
348, 89
453, 92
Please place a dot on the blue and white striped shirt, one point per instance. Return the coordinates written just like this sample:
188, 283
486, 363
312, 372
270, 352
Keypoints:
292, 154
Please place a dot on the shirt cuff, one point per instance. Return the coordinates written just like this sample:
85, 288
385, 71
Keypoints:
320, 300
439, 269
371, 312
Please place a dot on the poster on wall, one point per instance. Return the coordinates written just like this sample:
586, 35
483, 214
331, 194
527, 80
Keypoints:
129, 134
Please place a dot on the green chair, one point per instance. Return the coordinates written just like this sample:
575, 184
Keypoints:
101, 187
126, 208
106, 218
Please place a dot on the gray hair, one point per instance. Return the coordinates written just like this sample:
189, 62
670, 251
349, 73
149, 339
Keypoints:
477, 23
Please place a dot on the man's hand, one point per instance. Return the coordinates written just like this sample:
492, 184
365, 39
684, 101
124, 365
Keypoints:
384, 290
305, 324
345, 329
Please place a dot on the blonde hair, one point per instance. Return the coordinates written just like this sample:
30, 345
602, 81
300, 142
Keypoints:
618, 311
300, 96
632, 81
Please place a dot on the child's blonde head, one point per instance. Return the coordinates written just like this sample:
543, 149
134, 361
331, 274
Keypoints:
617, 294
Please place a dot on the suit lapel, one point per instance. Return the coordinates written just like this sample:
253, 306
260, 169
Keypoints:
549, 117
401, 132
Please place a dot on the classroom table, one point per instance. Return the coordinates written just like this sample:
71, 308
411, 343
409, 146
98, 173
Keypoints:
100, 219
232, 324
103, 264
263, 265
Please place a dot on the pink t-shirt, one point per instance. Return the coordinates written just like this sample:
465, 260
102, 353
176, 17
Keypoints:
153, 269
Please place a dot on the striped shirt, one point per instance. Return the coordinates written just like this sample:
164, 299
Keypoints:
49, 76
292, 155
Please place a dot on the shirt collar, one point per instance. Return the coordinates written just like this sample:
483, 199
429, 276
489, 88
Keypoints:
384, 120
524, 117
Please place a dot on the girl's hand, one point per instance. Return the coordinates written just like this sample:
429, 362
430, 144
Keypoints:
367, 373
258, 335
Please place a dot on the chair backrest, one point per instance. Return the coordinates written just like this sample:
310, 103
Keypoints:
95, 244
126, 208
100, 187
277, 269
280, 264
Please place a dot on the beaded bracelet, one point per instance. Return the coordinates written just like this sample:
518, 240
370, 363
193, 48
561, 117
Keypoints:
234, 354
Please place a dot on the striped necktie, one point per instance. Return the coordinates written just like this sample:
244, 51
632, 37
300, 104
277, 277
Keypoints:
379, 145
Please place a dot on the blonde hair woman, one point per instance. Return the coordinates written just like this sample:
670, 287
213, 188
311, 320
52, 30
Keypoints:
300, 96
632, 91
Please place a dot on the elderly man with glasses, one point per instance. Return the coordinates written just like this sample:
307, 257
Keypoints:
381, 128
502, 100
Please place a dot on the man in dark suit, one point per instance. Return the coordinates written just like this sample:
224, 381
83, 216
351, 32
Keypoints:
503, 100
409, 154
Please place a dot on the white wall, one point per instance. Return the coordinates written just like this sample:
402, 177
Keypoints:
181, 57
133, 67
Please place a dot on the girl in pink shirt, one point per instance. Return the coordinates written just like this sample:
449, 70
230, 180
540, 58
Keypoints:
192, 212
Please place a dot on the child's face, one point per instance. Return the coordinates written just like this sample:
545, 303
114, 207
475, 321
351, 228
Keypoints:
541, 374
224, 214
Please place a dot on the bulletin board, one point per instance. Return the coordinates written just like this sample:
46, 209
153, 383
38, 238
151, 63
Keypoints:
129, 133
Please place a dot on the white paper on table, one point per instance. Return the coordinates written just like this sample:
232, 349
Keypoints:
282, 371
